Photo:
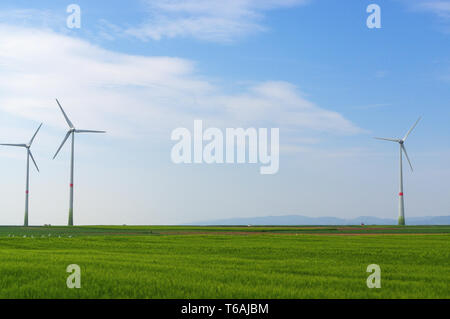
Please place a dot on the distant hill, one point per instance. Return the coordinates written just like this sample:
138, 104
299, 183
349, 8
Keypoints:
304, 220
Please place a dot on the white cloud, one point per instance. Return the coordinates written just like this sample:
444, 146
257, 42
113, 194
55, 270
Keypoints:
137, 95
280, 104
219, 21
440, 8
33, 17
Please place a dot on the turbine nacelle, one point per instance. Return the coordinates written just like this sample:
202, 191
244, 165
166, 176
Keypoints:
72, 129
402, 141
28, 146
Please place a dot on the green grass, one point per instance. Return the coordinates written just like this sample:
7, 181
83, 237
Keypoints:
224, 262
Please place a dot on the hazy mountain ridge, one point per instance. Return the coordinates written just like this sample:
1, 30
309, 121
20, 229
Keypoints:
304, 220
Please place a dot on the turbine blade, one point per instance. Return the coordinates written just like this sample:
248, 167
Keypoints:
32, 139
387, 139
412, 128
31, 155
18, 145
62, 144
65, 115
89, 131
407, 157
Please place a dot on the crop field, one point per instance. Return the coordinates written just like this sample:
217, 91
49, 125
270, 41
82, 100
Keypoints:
225, 262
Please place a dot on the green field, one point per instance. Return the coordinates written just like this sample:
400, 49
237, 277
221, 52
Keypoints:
225, 262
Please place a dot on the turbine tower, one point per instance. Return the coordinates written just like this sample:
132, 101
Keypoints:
71, 132
401, 142
29, 154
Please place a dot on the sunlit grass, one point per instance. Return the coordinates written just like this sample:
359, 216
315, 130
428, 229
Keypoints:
151, 265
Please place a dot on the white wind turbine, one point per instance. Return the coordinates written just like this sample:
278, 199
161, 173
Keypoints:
71, 132
29, 154
401, 142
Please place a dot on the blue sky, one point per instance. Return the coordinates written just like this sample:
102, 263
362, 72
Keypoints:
140, 69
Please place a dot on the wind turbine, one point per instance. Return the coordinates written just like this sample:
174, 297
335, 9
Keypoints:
71, 132
29, 154
401, 142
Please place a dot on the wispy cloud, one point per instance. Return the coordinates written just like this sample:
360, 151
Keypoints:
137, 95
371, 106
439, 8
218, 21
32, 18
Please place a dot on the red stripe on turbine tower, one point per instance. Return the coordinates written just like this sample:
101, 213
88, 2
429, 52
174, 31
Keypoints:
71, 133
26, 192
401, 142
